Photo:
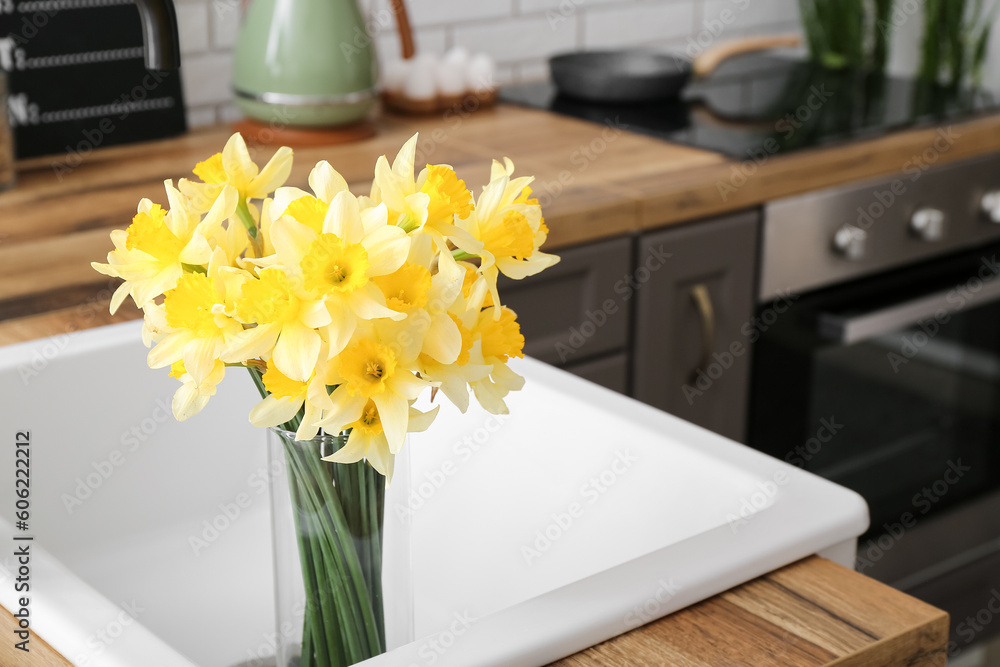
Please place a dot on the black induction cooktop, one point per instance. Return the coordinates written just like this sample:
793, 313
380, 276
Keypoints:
761, 105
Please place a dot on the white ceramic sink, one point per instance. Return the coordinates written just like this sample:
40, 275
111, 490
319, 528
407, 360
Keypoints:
580, 516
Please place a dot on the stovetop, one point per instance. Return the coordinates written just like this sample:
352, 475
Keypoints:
757, 106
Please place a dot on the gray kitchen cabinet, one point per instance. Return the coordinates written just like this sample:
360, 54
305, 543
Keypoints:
694, 315
576, 315
571, 312
610, 371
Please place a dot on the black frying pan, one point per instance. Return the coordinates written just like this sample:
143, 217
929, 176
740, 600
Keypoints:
643, 76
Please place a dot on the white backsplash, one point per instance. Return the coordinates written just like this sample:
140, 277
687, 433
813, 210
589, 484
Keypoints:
521, 34
518, 34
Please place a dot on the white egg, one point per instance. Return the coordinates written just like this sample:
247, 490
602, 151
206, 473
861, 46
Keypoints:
480, 73
458, 55
421, 81
394, 75
428, 59
450, 78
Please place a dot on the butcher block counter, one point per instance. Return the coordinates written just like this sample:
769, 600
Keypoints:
594, 182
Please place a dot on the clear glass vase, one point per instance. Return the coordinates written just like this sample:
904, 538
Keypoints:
343, 591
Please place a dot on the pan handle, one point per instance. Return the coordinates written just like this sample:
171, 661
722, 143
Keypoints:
706, 63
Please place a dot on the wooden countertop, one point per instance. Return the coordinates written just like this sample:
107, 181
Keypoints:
594, 182
807, 614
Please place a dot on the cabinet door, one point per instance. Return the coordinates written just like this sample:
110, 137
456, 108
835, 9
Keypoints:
571, 311
691, 356
610, 372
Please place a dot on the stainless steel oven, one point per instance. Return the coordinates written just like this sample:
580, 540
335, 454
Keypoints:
881, 371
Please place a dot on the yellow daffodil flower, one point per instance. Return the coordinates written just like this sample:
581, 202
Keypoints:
379, 368
429, 203
234, 167
287, 397
508, 230
338, 264
368, 440
153, 253
192, 396
197, 331
285, 320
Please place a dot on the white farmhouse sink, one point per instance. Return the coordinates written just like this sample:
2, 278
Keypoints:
580, 516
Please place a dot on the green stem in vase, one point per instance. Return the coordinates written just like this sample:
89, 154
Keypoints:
337, 513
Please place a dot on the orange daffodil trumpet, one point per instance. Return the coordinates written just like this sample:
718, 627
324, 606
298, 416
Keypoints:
343, 309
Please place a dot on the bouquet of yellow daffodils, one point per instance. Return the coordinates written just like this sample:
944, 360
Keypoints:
343, 309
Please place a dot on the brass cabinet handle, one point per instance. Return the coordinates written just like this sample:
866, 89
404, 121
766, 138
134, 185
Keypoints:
703, 302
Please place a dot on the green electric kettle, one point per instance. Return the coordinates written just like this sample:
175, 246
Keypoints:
305, 63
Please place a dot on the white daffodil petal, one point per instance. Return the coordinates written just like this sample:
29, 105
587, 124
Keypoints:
374, 217
342, 326
344, 218
402, 166
352, 452
421, 421
168, 350
272, 176
291, 240
187, 402
296, 351
197, 251
408, 385
251, 343
282, 198
394, 413
223, 207
326, 181
443, 341
273, 411
368, 303
308, 429
379, 457
314, 314
199, 358
236, 162
346, 410
387, 249
490, 397
518, 269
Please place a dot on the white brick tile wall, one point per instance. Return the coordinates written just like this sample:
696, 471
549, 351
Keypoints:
225, 26
439, 12
646, 23
192, 24
518, 38
207, 79
425, 40
519, 34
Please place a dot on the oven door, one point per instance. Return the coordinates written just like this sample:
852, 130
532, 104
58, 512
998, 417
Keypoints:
891, 386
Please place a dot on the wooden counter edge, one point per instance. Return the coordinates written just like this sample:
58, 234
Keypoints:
40, 653
914, 644
921, 644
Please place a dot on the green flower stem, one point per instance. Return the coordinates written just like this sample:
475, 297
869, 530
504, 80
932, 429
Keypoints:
342, 533
312, 610
460, 255
345, 605
376, 487
243, 213
338, 510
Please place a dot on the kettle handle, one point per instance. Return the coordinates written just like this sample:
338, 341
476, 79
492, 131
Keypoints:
403, 26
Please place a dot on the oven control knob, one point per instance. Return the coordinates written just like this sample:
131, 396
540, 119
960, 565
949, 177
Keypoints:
850, 242
991, 205
927, 224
